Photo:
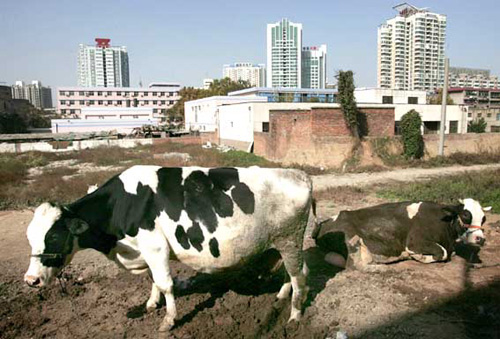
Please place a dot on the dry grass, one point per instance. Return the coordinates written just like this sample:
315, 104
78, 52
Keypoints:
343, 195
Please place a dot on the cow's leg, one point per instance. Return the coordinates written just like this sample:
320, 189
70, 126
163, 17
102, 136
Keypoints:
154, 247
155, 298
427, 252
297, 270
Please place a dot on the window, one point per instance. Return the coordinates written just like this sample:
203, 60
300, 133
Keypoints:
495, 129
136, 94
63, 102
136, 117
146, 94
110, 102
454, 126
91, 102
99, 94
119, 102
265, 127
154, 102
82, 102
154, 94
163, 110
387, 99
91, 93
498, 116
119, 93
479, 115
63, 111
81, 93
397, 128
72, 111
61, 92
99, 102
72, 102
171, 102
488, 115
101, 116
163, 102
469, 115
71, 93
413, 100
146, 102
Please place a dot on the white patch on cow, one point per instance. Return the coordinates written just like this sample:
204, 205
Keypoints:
45, 216
92, 188
146, 175
412, 209
445, 252
475, 209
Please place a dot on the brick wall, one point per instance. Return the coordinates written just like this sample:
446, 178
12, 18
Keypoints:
316, 137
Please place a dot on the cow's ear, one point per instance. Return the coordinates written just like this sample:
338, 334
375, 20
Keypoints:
461, 201
76, 226
486, 209
451, 212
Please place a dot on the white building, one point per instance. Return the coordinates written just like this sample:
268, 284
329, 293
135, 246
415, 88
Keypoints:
35, 93
207, 82
201, 115
365, 95
411, 50
284, 54
103, 65
470, 77
159, 97
314, 67
120, 119
254, 74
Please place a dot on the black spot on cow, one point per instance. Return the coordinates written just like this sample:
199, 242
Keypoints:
198, 202
171, 192
244, 198
182, 237
214, 247
224, 178
195, 235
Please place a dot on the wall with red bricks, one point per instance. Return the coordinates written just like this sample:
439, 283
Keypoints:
317, 137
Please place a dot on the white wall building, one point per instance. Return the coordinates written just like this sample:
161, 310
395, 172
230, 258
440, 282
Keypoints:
284, 54
159, 97
120, 119
314, 67
201, 115
255, 74
411, 50
103, 65
365, 95
35, 93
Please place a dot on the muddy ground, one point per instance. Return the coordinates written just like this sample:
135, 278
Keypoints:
409, 300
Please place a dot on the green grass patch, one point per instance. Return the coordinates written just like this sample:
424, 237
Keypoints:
482, 186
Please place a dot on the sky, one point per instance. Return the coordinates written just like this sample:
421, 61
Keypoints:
187, 41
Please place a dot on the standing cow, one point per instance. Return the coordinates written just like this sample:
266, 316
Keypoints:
210, 219
424, 231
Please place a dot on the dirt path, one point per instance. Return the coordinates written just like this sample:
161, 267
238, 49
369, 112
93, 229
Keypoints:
322, 182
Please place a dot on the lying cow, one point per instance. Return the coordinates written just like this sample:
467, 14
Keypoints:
213, 220
387, 233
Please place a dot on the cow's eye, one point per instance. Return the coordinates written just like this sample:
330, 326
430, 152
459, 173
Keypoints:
466, 217
483, 221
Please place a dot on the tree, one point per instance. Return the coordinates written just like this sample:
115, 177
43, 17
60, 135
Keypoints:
413, 142
477, 126
437, 98
345, 98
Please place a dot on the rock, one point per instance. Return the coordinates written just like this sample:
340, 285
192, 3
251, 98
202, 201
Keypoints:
173, 156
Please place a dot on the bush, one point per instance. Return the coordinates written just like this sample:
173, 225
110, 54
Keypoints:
477, 126
413, 143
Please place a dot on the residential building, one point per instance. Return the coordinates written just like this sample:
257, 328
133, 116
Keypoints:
366, 95
159, 97
411, 50
284, 54
479, 103
255, 74
207, 82
103, 65
471, 77
97, 119
35, 93
314, 67
289, 94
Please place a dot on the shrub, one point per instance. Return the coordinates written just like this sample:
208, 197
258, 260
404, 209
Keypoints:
413, 143
477, 126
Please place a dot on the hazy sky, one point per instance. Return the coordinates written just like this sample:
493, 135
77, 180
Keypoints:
186, 41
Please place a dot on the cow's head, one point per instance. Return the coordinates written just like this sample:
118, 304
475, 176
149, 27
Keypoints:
472, 219
51, 235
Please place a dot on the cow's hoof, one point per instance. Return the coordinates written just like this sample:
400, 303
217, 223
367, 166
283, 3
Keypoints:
284, 291
295, 316
151, 306
166, 325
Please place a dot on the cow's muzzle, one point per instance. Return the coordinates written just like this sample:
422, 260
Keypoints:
32, 281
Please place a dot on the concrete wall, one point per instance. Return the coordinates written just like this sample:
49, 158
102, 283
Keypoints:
432, 113
467, 143
77, 145
374, 95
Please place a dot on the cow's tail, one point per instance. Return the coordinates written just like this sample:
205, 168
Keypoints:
316, 226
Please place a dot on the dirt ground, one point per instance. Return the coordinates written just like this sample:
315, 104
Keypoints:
98, 300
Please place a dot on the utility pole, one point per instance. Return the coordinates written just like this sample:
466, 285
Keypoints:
443, 107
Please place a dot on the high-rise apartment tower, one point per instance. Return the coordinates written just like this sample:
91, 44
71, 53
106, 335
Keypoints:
103, 65
314, 67
411, 50
254, 74
284, 54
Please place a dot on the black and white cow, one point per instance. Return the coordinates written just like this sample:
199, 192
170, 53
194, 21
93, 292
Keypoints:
210, 219
424, 231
